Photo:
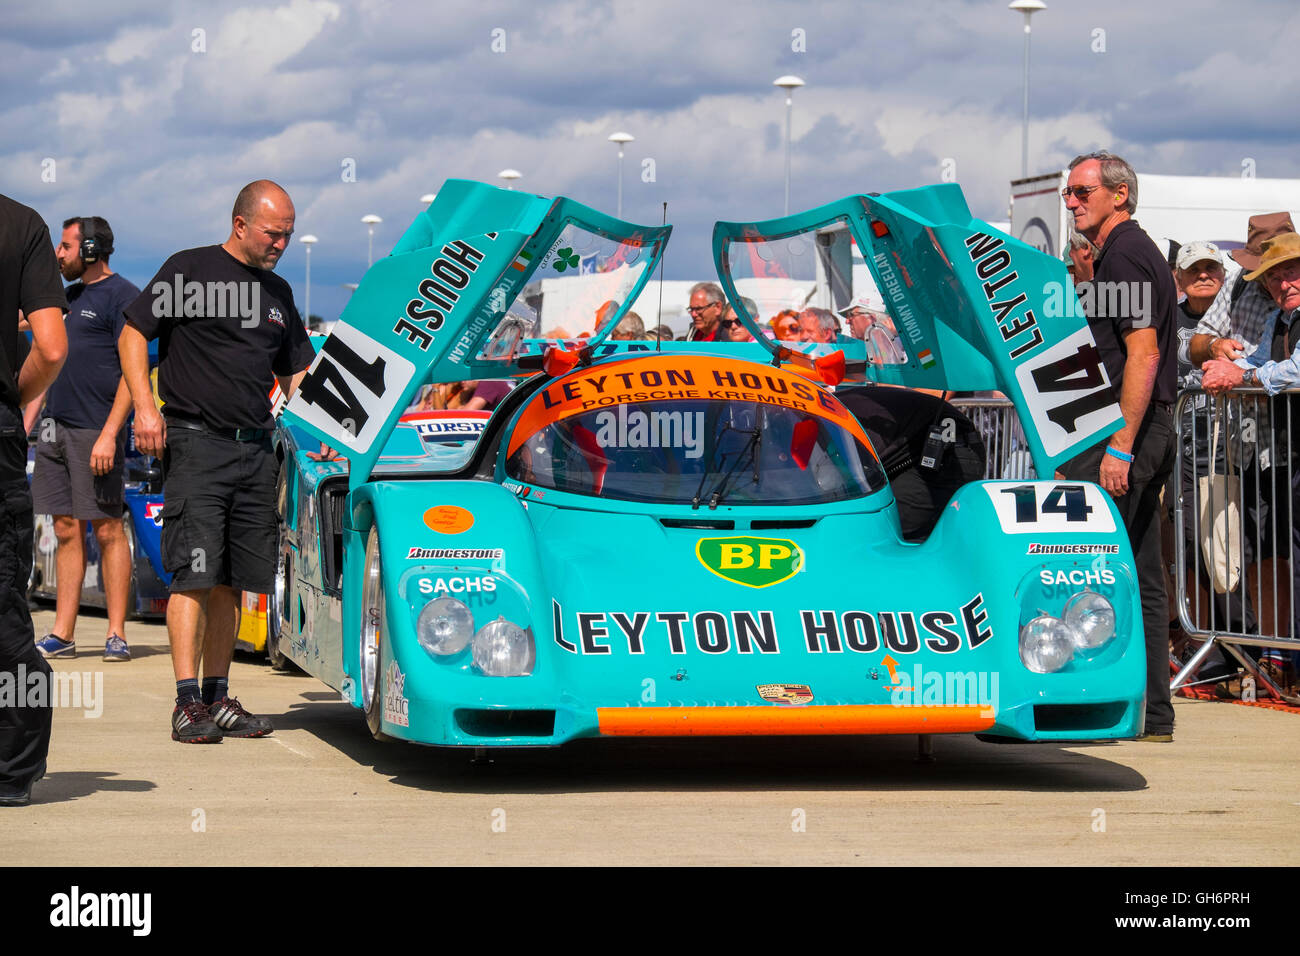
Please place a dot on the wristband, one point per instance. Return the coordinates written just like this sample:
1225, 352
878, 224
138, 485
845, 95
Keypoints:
1116, 453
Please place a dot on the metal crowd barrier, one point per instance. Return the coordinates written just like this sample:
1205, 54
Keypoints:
1253, 606
1005, 448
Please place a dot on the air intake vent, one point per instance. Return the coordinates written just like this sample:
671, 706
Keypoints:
506, 723
774, 524
1082, 719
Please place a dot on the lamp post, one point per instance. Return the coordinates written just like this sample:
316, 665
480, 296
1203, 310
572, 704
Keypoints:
371, 221
789, 84
621, 139
308, 241
510, 175
1028, 8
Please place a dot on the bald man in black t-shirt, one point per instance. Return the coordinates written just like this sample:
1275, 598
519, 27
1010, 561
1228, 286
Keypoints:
227, 329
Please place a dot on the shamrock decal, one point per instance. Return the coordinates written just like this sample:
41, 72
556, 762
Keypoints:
565, 259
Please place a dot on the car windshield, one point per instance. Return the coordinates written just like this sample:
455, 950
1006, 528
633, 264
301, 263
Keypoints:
576, 289
704, 453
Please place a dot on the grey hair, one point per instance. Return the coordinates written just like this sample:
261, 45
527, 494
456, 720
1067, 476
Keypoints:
631, 324
710, 289
825, 319
1114, 172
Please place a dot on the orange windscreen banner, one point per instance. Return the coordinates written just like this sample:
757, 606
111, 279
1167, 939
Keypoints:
662, 378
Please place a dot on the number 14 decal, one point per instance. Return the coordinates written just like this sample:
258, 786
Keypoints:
1035, 507
1068, 500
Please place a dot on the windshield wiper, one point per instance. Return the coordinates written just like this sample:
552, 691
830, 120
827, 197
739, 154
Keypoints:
747, 454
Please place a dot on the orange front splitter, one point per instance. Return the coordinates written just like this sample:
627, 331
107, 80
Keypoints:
779, 721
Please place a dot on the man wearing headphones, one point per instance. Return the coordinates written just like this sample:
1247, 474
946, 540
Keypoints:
78, 473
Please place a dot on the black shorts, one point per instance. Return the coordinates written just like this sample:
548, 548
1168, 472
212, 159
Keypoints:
219, 522
62, 482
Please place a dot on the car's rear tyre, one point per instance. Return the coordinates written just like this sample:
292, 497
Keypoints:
374, 623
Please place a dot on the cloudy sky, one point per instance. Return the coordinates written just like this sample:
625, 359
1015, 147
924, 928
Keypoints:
153, 115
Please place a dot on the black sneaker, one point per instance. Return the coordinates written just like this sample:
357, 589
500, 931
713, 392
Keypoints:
192, 724
230, 716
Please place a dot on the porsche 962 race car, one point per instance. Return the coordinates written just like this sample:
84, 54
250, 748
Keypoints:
697, 538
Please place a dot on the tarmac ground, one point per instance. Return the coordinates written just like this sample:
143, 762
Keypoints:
320, 791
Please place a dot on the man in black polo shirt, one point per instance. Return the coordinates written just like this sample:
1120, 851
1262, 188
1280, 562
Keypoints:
29, 281
1131, 304
227, 329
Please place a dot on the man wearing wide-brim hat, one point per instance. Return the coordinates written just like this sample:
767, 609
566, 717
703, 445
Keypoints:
1241, 317
1275, 366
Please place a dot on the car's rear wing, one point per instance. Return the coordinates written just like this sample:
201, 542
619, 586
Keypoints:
453, 301
975, 309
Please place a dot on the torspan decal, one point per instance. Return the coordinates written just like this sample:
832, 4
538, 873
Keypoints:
753, 562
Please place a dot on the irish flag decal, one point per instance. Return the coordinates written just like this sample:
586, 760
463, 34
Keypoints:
521, 263
927, 359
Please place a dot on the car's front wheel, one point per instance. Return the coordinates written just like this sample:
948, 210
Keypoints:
373, 624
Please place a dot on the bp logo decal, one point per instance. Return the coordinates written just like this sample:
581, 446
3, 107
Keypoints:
753, 562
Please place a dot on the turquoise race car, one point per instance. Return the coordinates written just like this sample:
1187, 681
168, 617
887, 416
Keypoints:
662, 539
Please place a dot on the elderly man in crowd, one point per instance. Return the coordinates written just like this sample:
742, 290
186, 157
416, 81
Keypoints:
1199, 275
1238, 322
869, 320
707, 303
817, 325
1274, 366
1237, 327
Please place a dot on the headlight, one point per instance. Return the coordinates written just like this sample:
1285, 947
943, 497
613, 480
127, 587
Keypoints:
1092, 619
502, 649
444, 626
1046, 644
